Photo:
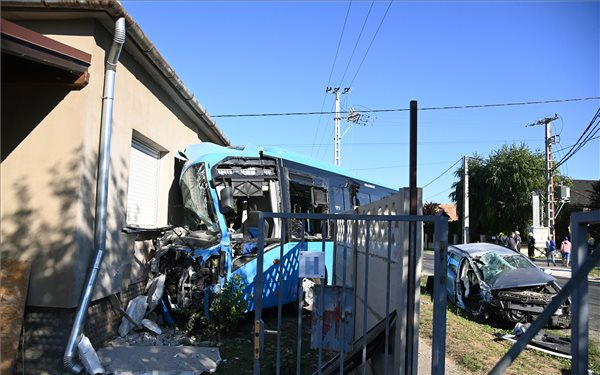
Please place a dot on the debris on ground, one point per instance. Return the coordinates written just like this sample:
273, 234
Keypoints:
173, 360
542, 341
88, 357
144, 346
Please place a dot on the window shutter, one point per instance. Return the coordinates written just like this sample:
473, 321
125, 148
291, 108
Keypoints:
142, 194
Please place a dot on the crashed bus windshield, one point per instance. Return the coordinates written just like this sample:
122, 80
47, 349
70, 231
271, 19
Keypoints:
199, 211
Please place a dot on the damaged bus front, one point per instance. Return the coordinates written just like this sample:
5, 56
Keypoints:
223, 191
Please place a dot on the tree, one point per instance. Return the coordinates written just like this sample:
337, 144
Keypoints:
500, 188
429, 209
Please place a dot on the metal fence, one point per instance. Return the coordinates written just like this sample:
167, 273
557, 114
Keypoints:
359, 319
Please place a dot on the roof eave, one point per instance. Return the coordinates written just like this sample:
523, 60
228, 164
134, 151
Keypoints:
169, 80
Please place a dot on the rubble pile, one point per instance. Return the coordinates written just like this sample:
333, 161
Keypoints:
169, 337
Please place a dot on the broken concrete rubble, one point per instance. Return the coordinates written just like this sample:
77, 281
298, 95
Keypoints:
137, 360
88, 357
136, 309
172, 352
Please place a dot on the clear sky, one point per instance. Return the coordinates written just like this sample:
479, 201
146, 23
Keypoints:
246, 57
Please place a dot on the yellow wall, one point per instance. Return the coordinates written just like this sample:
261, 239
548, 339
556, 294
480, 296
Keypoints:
48, 181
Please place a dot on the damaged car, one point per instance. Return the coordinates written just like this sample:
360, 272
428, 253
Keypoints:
492, 281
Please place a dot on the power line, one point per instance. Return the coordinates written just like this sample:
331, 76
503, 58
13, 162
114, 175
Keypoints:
356, 44
332, 68
569, 146
589, 133
443, 173
339, 43
370, 44
436, 194
442, 108
393, 166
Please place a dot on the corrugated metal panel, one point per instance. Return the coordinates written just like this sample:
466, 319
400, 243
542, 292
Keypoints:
142, 195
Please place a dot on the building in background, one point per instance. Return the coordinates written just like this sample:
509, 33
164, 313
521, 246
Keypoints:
53, 68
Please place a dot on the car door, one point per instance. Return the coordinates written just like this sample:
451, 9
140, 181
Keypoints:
453, 262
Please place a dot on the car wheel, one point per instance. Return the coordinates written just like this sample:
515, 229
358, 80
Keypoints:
516, 316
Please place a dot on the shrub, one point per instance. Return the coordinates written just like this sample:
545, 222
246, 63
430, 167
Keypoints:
226, 308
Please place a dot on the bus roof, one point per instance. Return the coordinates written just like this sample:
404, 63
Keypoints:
211, 153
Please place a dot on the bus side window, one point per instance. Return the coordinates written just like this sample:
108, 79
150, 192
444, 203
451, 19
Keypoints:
340, 200
308, 199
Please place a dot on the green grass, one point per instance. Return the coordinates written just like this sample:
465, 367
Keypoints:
476, 347
595, 272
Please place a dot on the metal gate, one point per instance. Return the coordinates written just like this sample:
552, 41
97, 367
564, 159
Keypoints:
355, 273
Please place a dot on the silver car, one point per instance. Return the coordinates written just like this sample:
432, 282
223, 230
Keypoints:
492, 281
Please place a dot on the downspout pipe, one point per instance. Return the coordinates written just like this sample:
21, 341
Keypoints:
69, 359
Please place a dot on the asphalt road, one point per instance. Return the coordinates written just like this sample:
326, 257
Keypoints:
593, 292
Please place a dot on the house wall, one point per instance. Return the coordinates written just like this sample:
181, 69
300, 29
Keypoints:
49, 173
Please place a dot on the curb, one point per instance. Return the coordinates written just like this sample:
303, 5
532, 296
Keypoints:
591, 279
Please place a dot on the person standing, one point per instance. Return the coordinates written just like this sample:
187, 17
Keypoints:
550, 250
565, 250
518, 241
531, 246
512, 243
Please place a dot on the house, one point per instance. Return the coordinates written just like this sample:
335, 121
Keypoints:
53, 84
582, 195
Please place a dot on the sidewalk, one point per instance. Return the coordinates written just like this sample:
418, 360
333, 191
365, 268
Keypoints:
559, 270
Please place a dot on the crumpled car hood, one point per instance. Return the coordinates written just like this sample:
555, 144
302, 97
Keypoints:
522, 277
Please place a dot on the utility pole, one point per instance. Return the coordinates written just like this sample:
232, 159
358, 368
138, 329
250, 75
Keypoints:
465, 226
337, 146
549, 140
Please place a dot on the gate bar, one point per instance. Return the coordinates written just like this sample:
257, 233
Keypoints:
321, 304
440, 276
580, 305
300, 303
366, 301
258, 286
280, 265
344, 274
387, 299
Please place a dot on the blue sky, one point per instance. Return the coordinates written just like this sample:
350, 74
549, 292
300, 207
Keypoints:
243, 57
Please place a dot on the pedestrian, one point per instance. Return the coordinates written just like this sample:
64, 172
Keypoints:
550, 251
531, 246
518, 240
502, 239
512, 243
565, 250
591, 243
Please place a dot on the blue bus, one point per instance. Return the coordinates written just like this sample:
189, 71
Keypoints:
223, 189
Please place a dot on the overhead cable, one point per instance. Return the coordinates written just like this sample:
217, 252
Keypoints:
356, 44
443, 173
370, 44
332, 68
443, 108
588, 134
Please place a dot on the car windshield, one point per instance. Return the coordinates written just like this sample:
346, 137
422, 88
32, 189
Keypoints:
199, 210
492, 263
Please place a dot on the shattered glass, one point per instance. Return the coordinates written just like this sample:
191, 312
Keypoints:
199, 211
493, 264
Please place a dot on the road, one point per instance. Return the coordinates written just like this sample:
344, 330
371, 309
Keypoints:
593, 291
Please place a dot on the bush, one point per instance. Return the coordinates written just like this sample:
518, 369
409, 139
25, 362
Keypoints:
226, 308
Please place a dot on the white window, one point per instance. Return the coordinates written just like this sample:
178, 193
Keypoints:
142, 194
